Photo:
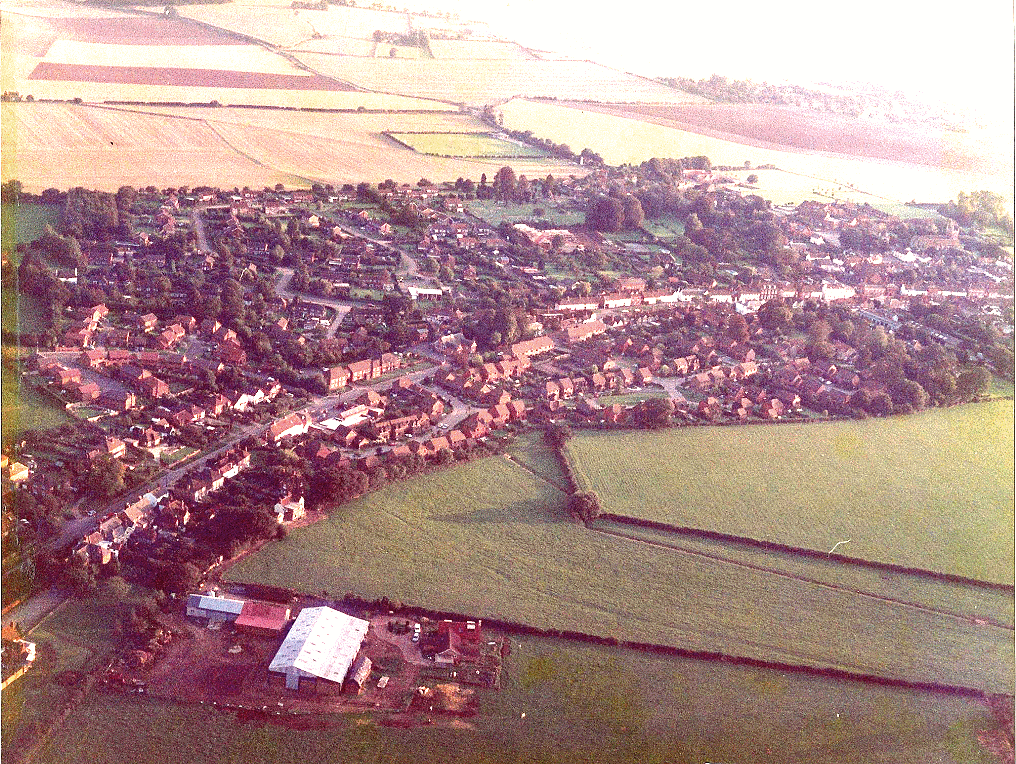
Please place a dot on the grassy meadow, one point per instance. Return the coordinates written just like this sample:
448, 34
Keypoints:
449, 542
580, 704
933, 490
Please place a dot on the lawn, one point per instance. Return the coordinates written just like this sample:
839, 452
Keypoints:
1001, 387
466, 145
567, 702
495, 213
664, 226
178, 454
449, 542
933, 490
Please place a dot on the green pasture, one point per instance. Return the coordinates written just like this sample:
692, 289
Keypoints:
562, 701
492, 539
933, 490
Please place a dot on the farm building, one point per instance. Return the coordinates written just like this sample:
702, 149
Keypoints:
213, 608
359, 675
319, 649
263, 618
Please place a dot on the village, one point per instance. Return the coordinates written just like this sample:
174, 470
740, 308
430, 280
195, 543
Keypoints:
239, 363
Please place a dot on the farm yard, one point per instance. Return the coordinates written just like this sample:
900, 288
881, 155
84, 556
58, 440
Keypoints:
473, 144
927, 491
629, 139
565, 699
445, 542
194, 145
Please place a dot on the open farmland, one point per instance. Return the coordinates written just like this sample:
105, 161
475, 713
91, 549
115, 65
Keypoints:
781, 127
479, 82
933, 491
63, 145
466, 145
130, 58
106, 147
581, 704
445, 541
627, 140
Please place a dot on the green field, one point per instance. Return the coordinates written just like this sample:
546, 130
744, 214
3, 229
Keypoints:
664, 226
465, 145
24, 408
21, 224
933, 490
581, 704
449, 542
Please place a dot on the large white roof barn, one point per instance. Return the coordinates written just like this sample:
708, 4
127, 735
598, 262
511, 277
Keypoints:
322, 644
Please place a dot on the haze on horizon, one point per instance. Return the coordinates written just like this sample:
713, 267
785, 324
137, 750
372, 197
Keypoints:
964, 59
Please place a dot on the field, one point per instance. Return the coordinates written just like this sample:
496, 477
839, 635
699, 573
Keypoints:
626, 140
933, 491
126, 58
563, 701
466, 145
104, 147
781, 127
447, 542
478, 82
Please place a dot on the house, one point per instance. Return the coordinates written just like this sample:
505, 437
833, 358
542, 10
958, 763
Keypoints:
288, 427
336, 377
18, 472
584, 331
118, 400
532, 347
153, 387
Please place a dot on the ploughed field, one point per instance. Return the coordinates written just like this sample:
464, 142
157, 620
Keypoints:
450, 541
931, 491
565, 701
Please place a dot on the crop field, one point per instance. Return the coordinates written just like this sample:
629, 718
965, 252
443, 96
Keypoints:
447, 542
625, 140
932, 491
105, 147
478, 50
62, 145
466, 145
280, 25
781, 127
478, 82
566, 701
125, 58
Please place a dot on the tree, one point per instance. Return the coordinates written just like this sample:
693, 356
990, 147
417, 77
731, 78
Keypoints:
655, 413
105, 477
737, 328
606, 214
972, 383
504, 184
584, 506
908, 396
752, 179
633, 213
